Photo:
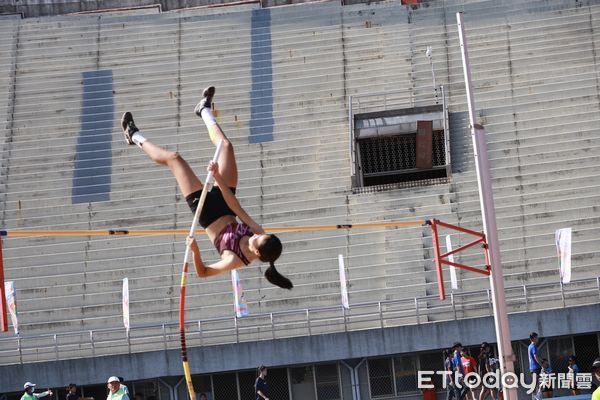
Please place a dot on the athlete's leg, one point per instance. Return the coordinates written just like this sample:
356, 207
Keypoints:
186, 179
227, 163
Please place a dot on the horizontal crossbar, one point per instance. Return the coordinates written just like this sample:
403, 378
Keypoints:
165, 232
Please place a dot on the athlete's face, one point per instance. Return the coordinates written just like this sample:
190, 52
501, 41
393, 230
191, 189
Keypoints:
256, 242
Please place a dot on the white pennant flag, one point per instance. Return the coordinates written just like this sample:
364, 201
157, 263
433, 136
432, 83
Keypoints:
343, 287
563, 249
240, 306
453, 279
126, 303
11, 303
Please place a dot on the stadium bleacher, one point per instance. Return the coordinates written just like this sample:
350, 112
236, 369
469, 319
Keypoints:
535, 87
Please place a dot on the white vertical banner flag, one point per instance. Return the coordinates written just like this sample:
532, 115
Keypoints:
453, 279
343, 286
11, 303
126, 303
239, 302
563, 249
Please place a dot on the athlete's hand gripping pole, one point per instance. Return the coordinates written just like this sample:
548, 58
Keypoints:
207, 187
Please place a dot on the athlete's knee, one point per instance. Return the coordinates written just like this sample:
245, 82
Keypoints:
167, 158
227, 144
174, 156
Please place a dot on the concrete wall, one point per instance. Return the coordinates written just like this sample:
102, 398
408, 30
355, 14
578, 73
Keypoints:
305, 350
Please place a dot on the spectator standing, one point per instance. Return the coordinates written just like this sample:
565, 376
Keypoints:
484, 368
546, 380
459, 387
449, 377
123, 386
495, 367
573, 371
28, 394
260, 386
72, 393
115, 390
596, 372
535, 361
469, 367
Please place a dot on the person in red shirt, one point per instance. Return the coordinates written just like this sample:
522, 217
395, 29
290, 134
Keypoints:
469, 366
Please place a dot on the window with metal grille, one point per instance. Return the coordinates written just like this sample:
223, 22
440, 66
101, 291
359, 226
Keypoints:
277, 379
393, 376
246, 380
405, 372
302, 383
404, 147
328, 382
559, 350
433, 361
392, 159
586, 350
225, 386
380, 377
202, 384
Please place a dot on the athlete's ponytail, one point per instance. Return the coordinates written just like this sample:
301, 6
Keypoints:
269, 252
276, 278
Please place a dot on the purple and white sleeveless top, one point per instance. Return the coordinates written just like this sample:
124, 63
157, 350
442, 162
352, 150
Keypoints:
229, 239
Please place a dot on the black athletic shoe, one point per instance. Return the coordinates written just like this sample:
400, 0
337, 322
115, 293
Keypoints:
128, 126
206, 102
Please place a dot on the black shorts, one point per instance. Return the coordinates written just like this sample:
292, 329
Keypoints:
214, 206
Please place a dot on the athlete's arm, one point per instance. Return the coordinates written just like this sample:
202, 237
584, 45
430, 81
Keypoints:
228, 261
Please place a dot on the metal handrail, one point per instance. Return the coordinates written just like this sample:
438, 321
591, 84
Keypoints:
414, 310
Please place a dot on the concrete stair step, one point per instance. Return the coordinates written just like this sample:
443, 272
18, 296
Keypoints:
529, 110
548, 163
529, 191
537, 218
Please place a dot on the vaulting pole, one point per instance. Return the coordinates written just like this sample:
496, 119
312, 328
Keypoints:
488, 214
207, 187
3, 307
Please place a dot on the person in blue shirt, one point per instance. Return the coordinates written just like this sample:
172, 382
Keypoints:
535, 361
460, 390
449, 367
260, 386
546, 381
456, 361
573, 371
